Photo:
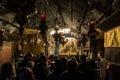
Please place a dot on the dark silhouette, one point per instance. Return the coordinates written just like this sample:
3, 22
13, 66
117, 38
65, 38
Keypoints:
40, 69
59, 68
72, 73
8, 71
25, 73
27, 61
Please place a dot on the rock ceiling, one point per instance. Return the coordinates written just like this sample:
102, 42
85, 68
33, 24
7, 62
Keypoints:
74, 14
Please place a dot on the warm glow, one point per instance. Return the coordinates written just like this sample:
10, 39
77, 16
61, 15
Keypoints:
52, 32
65, 30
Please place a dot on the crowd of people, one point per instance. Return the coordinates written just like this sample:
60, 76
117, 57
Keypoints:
42, 67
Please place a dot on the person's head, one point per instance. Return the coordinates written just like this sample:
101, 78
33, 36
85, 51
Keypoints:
64, 62
51, 57
8, 70
100, 54
72, 65
58, 64
43, 60
83, 57
29, 56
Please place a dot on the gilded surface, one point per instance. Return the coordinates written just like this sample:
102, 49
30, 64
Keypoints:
112, 38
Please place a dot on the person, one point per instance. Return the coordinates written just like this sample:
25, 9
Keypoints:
59, 67
57, 48
57, 37
83, 64
25, 73
27, 61
40, 69
72, 73
102, 65
8, 71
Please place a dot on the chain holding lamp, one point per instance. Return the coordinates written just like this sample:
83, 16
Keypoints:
1, 39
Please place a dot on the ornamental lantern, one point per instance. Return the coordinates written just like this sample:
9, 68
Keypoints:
42, 16
91, 24
92, 33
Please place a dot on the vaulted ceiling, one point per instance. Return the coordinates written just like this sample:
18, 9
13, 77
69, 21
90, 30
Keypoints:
74, 14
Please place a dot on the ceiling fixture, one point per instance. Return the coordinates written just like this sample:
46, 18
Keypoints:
1, 39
